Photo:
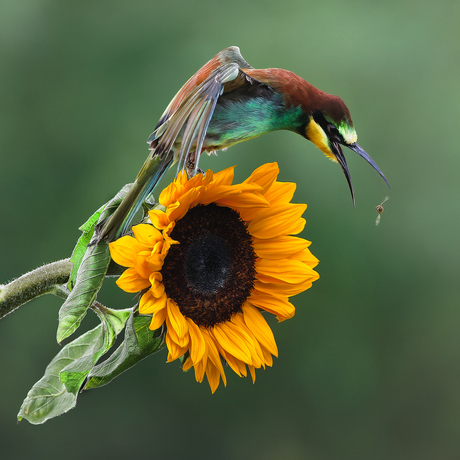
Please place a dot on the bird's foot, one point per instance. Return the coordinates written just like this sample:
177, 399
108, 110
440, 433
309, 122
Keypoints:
192, 171
191, 166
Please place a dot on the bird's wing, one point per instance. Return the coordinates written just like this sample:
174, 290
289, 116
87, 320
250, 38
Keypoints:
193, 106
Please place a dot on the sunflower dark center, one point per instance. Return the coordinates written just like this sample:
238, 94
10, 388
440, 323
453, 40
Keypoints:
207, 264
210, 273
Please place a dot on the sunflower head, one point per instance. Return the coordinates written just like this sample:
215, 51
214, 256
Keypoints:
212, 261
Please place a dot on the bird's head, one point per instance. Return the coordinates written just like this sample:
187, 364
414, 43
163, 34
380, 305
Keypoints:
329, 127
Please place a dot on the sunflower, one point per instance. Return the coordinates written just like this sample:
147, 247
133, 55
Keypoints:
215, 256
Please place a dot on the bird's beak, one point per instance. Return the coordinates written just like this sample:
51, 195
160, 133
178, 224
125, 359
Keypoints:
340, 157
337, 150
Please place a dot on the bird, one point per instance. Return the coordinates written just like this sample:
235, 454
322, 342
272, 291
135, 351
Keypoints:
226, 102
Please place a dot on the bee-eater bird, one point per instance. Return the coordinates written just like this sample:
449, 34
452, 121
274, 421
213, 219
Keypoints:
228, 101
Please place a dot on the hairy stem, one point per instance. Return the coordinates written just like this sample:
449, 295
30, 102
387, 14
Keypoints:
43, 280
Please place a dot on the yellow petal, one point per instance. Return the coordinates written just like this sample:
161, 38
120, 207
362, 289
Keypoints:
235, 364
215, 193
242, 368
197, 343
284, 271
180, 341
175, 351
232, 342
258, 326
158, 287
213, 354
177, 319
200, 368
187, 365
187, 200
306, 257
141, 265
213, 375
154, 261
209, 177
282, 219
199, 180
268, 359
169, 194
280, 247
224, 177
248, 214
281, 192
158, 319
282, 289
124, 250
147, 235
252, 370
264, 176
168, 240
250, 339
280, 307
131, 281
149, 303
245, 200
181, 178
159, 218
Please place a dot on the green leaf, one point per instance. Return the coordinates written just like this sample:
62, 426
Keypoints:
113, 322
49, 397
139, 343
89, 280
77, 256
57, 391
88, 230
115, 318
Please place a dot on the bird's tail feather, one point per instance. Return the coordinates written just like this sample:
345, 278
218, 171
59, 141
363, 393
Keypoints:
151, 173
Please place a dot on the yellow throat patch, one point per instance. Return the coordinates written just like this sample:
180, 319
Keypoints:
315, 133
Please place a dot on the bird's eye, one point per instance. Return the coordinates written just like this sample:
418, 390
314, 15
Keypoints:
333, 130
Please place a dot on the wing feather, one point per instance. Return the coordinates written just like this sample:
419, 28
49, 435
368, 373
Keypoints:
187, 117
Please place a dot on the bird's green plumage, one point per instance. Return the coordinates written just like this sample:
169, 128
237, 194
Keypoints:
236, 121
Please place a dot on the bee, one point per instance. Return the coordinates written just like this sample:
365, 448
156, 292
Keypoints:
379, 209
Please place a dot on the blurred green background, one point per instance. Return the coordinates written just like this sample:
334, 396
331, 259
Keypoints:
369, 367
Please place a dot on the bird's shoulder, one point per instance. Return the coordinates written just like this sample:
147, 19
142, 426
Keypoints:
294, 89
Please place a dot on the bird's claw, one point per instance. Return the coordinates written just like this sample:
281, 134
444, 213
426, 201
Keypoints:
191, 166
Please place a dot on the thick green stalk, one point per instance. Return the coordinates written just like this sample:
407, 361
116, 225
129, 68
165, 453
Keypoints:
43, 280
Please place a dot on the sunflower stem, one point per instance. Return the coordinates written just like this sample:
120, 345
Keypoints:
47, 279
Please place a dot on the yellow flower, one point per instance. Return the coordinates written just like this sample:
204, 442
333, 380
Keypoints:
217, 256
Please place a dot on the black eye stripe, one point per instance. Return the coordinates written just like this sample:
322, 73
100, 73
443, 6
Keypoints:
329, 128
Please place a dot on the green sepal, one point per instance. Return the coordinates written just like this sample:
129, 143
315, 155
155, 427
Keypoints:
139, 343
148, 204
89, 280
113, 322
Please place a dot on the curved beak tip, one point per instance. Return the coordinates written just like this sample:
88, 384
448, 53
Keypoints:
363, 154
343, 163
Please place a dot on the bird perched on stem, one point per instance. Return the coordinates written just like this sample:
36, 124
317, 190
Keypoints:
228, 101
